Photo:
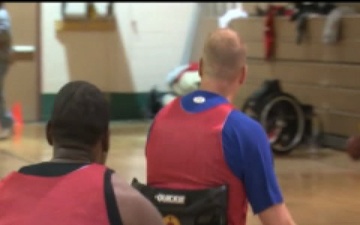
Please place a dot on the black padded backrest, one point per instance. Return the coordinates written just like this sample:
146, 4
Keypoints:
188, 207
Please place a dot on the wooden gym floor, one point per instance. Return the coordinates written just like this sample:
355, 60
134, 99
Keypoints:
321, 187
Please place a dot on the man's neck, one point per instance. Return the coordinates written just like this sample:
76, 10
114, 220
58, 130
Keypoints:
216, 87
71, 155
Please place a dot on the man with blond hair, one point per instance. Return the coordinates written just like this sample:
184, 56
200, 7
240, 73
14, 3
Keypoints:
201, 141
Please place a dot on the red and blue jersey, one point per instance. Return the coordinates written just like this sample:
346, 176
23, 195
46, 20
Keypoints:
200, 141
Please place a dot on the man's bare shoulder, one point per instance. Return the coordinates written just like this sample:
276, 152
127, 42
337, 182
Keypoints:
134, 208
122, 188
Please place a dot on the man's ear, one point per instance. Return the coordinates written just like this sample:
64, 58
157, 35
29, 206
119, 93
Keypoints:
201, 68
243, 75
105, 142
105, 145
48, 133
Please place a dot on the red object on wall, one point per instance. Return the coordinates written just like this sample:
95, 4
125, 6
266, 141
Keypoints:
269, 33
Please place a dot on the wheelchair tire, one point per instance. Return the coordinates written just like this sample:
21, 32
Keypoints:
249, 110
284, 120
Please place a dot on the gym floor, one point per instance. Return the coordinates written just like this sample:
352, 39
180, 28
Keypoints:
321, 186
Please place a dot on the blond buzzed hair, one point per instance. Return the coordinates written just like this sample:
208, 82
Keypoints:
224, 54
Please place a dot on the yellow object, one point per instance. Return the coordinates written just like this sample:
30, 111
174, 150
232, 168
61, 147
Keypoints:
91, 11
86, 25
171, 220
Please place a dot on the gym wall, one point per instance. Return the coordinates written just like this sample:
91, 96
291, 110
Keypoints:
126, 59
324, 76
22, 82
136, 54
250, 7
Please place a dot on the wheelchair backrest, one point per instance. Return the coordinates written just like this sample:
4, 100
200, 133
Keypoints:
188, 207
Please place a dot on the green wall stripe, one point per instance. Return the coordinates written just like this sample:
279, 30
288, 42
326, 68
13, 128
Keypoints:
127, 105
123, 106
47, 102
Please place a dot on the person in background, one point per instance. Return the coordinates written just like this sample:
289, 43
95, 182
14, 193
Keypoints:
74, 187
6, 60
201, 141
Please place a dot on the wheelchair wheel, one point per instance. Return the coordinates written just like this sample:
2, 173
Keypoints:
284, 121
248, 109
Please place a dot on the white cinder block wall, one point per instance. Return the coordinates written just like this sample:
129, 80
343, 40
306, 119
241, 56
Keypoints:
159, 37
155, 37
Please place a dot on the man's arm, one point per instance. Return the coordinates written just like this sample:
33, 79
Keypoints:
260, 172
5, 33
134, 208
249, 156
276, 215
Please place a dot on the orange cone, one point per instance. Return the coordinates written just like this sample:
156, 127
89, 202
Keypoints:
17, 114
18, 122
